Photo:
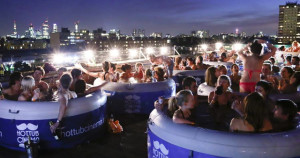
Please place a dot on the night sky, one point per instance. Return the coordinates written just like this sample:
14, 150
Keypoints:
166, 16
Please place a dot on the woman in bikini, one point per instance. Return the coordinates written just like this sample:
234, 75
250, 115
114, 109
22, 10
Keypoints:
252, 65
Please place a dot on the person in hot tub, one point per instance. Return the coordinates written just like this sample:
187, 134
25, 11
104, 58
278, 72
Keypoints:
163, 60
14, 90
64, 95
185, 101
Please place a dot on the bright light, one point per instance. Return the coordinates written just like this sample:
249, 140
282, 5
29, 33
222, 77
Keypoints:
114, 53
237, 46
133, 53
89, 54
218, 45
58, 58
204, 47
149, 50
163, 50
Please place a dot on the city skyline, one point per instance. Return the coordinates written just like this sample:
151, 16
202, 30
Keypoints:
166, 16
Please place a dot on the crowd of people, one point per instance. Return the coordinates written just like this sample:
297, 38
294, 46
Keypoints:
240, 101
261, 77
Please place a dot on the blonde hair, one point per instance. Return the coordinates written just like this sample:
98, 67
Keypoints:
177, 101
27, 83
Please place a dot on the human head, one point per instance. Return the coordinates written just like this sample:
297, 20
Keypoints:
76, 73
183, 98
256, 47
190, 61
113, 66
15, 78
151, 57
222, 69
282, 48
285, 110
80, 87
255, 110
199, 59
288, 58
275, 69
224, 81
266, 69
263, 87
223, 56
177, 60
48, 67
295, 44
286, 72
295, 79
272, 60
65, 81
61, 71
190, 84
126, 67
234, 68
105, 66
148, 73
38, 73
211, 76
27, 83
295, 60
159, 73
138, 66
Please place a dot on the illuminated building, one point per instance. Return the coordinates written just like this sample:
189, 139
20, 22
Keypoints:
76, 26
138, 33
54, 28
289, 23
155, 34
45, 28
15, 28
201, 33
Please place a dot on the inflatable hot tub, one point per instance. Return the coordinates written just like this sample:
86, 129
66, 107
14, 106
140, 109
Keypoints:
136, 97
83, 121
167, 140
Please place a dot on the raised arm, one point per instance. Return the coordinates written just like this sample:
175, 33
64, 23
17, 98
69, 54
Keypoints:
93, 74
93, 89
268, 55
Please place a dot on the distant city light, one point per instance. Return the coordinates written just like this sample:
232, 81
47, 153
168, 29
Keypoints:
149, 50
163, 50
114, 53
204, 47
237, 46
133, 53
89, 54
218, 45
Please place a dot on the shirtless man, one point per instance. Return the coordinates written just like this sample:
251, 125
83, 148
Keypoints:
163, 60
38, 74
14, 90
253, 64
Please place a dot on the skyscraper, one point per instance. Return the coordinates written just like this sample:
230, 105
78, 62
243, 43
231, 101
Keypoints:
15, 28
76, 26
45, 28
31, 31
54, 28
289, 23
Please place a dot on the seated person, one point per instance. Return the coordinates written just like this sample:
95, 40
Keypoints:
159, 74
14, 90
287, 60
292, 85
185, 101
48, 68
191, 63
127, 73
139, 72
211, 76
27, 86
235, 78
266, 74
199, 63
177, 63
294, 48
76, 75
212, 56
148, 78
163, 60
295, 63
284, 115
284, 84
64, 95
102, 75
38, 74
256, 118
113, 75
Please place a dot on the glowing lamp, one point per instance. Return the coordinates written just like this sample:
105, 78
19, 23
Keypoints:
133, 53
204, 47
163, 50
89, 54
237, 46
114, 53
218, 45
58, 58
149, 50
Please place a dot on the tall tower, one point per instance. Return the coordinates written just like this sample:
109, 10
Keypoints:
15, 28
289, 23
31, 31
76, 26
45, 28
54, 28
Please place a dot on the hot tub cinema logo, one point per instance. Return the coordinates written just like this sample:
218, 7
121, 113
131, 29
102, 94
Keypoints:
159, 150
133, 104
26, 130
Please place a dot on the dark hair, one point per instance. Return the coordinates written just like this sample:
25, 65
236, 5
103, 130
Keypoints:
289, 70
275, 69
255, 110
160, 72
233, 66
200, 58
297, 76
191, 59
272, 60
113, 66
80, 87
65, 80
63, 69
125, 67
187, 82
76, 73
288, 58
48, 67
15, 76
269, 65
224, 55
288, 108
256, 47
210, 77
267, 86
178, 60
296, 58
39, 68
105, 66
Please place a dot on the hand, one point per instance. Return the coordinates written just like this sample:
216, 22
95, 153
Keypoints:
158, 106
54, 127
261, 41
